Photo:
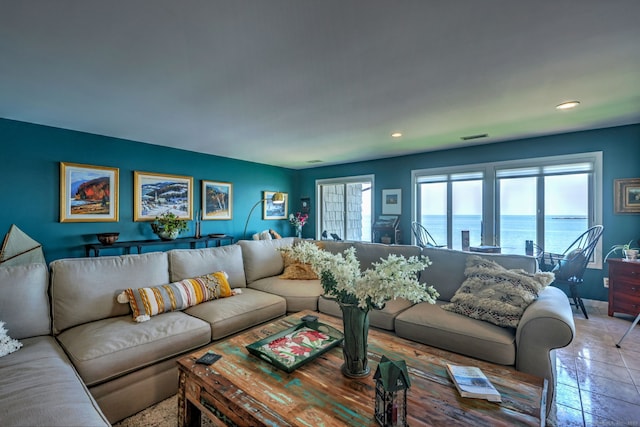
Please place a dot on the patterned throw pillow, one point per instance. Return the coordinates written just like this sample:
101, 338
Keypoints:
496, 295
147, 302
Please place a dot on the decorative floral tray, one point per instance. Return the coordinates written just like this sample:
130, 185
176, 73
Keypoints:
289, 349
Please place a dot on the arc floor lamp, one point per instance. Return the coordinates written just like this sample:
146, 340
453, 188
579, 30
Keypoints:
277, 199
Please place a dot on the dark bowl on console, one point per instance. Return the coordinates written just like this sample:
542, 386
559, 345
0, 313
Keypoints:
107, 238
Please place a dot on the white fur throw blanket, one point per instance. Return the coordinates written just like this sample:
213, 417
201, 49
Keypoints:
7, 344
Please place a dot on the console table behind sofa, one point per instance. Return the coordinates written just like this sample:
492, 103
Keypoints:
138, 244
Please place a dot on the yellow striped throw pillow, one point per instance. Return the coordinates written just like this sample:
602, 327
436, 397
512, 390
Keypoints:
147, 302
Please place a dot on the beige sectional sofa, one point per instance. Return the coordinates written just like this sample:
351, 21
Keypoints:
38, 384
98, 354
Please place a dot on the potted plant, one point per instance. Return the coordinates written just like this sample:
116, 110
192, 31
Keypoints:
167, 226
627, 251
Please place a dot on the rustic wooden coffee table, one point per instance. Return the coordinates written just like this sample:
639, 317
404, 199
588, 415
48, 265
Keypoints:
243, 390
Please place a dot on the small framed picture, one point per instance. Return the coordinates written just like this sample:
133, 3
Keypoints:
305, 205
392, 201
217, 200
627, 195
88, 193
272, 210
155, 194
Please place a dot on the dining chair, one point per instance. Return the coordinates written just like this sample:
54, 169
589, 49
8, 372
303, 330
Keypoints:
423, 238
569, 267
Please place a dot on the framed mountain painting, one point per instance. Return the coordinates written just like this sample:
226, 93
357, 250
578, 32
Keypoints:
88, 193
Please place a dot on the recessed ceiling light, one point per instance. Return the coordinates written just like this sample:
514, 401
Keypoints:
396, 134
567, 105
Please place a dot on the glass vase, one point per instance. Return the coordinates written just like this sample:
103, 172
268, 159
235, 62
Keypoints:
355, 321
299, 232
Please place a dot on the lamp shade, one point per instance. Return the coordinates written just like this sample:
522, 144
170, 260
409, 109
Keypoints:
278, 198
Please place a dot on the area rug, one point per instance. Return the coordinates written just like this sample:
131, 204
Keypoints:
163, 414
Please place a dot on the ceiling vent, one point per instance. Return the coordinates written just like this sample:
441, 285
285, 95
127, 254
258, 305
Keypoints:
480, 135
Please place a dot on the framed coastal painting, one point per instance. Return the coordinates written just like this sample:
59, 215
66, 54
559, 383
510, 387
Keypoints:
155, 194
392, 201
217, 200
88, 193
627, 195
272, 210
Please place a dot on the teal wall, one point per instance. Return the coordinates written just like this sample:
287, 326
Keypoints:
621, 159
30, 184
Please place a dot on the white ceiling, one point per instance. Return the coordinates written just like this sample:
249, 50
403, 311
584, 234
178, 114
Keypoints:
285, 82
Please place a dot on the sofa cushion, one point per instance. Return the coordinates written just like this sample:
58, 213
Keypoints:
262, 257
230, 315
369, 253
108, 348
494, 294
299, 294
383, 319
24, 291
447, 271
85, 289
39, 386
431, 325
185, 263
332, 246
147, 302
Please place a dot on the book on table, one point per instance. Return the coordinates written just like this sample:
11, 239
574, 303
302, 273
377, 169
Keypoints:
471, 382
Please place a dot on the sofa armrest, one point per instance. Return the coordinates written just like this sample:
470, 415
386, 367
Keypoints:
546, 324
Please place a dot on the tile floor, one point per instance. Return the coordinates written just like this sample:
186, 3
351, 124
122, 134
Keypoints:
599, 384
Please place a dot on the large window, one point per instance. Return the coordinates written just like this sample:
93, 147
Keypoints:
344, 207
450, 203
549, 200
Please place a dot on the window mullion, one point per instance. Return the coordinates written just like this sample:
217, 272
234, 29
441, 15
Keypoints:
540, 210
449, 214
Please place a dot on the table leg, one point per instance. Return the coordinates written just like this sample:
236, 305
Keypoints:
188, 414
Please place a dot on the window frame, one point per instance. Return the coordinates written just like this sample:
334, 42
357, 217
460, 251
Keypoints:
490, 209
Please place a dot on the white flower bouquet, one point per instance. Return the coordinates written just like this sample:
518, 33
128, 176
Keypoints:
342, 280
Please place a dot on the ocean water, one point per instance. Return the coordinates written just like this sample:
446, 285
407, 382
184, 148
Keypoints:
515, 230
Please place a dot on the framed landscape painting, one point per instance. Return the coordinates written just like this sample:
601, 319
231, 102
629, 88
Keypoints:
272, 210
88, 193
627, 195
155, 194
217, 200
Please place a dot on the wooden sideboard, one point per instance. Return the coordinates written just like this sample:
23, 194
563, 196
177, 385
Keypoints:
624, 287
